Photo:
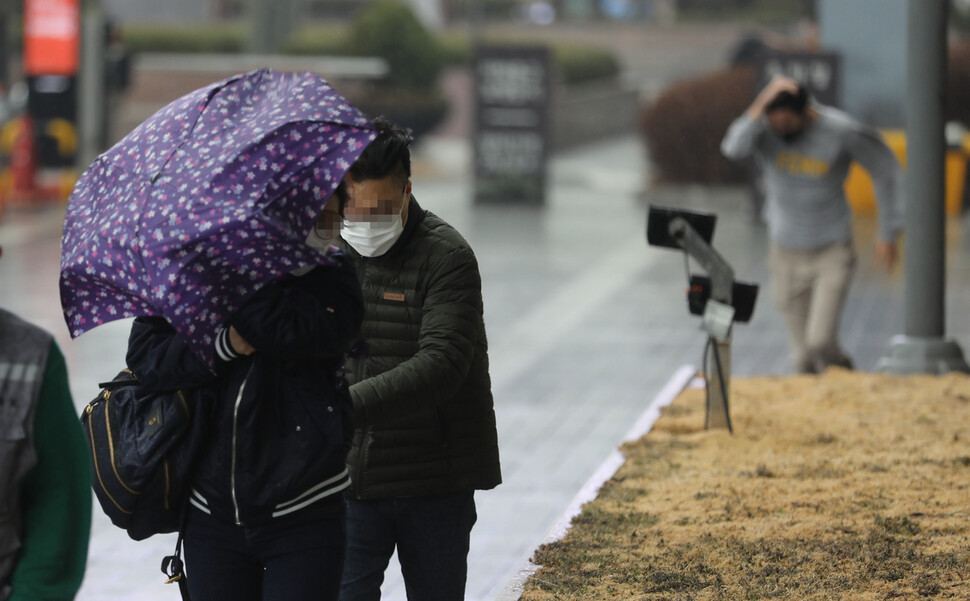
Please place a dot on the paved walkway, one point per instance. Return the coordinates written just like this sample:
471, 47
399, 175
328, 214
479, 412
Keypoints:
586, 324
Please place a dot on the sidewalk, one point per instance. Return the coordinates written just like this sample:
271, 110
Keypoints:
586, 324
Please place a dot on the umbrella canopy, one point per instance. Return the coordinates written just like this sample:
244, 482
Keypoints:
205, 202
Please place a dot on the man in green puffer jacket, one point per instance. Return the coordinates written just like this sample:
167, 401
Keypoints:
425, 436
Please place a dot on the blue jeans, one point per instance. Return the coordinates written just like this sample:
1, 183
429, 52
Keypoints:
431, 535
292, 558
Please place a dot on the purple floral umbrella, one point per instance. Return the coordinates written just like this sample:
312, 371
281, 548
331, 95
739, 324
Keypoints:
205, 202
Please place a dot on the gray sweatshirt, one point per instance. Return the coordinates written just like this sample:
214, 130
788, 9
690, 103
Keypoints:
806, 206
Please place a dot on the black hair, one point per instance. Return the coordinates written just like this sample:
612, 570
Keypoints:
793, 101
388, 155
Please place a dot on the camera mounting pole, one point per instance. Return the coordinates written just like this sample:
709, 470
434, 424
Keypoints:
718, 316
720, 271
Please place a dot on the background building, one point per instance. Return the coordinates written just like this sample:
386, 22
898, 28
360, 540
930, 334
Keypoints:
869, 35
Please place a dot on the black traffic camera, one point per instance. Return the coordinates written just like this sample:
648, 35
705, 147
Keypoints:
692, 232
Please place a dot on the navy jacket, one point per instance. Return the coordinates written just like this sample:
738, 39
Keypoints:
282, 416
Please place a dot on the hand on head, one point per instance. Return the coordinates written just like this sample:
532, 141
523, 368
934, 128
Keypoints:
779, 84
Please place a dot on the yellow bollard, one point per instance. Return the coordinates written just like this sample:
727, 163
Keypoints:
858, 185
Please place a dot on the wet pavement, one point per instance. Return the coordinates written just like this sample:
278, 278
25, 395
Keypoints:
586, 325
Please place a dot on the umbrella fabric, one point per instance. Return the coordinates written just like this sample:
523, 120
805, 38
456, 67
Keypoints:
205, 202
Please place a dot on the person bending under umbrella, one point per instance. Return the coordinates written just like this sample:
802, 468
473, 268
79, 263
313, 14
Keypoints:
265, 520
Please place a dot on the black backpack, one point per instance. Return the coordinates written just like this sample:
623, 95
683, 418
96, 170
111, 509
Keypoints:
142, 445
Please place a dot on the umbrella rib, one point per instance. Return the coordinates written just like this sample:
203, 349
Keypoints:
210, 95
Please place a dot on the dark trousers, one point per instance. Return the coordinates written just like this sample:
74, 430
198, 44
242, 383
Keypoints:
292, 558
431, 535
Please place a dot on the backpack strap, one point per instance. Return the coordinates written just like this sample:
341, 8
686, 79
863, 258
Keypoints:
172, 565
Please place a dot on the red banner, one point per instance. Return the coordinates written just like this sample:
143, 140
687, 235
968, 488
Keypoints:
51, 37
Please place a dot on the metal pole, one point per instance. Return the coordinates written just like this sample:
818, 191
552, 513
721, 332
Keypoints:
718, 410
925, 147
91, 90
922, 349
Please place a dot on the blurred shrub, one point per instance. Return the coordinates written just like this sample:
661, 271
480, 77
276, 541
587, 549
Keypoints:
958, 83
689, 5
208, 37
409, 95
959, 18
332, 9
748, 11
580, 63
683, 128
333, 40
498, 10
318, 40
390, 30
386, 29
455, 48
574, 62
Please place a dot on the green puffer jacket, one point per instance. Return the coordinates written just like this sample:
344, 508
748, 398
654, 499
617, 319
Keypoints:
425, 424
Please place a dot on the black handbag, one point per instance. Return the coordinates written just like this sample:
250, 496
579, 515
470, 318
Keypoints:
142, 446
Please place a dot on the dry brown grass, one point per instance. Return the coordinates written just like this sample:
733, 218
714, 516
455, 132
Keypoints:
845, 486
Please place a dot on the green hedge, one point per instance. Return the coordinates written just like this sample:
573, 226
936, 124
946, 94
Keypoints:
390, 30
318, 40
578, 63
334, 40
496, 10
205, 38
746, 11
575, 63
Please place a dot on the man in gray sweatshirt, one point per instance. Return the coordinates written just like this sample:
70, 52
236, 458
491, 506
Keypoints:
804, 151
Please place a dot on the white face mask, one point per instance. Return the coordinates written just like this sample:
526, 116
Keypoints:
373, 238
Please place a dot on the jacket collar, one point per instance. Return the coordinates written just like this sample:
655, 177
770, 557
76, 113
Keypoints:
415, 216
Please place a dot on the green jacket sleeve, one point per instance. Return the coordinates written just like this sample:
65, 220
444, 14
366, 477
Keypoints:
57, 497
